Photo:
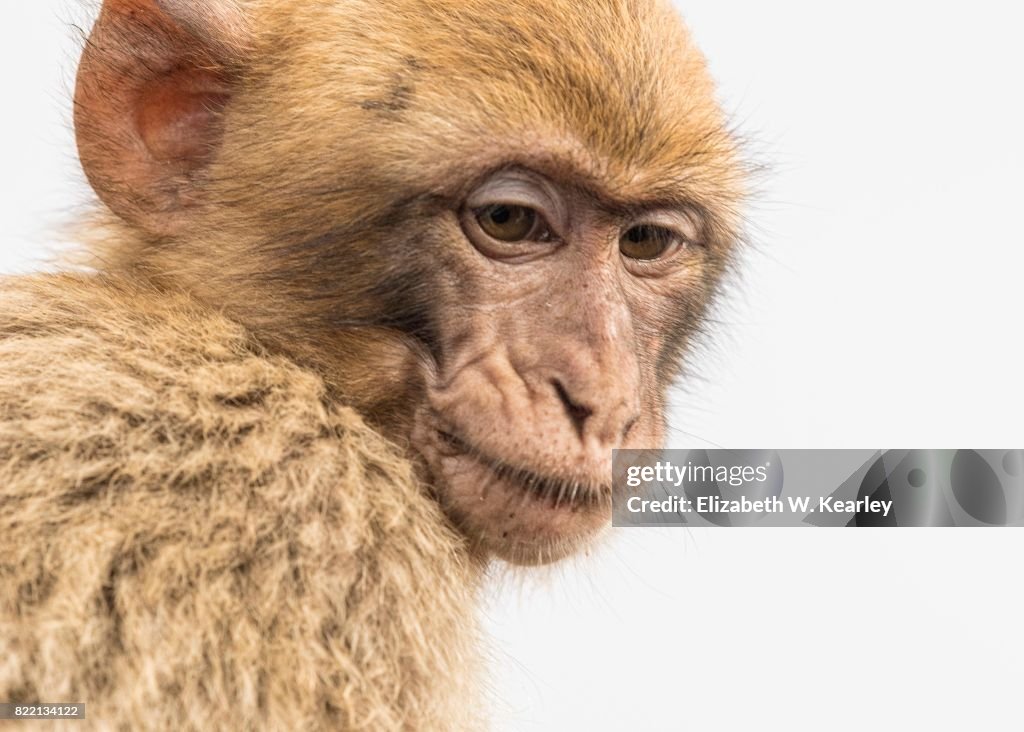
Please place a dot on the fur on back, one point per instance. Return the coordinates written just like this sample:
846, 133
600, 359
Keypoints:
193, 537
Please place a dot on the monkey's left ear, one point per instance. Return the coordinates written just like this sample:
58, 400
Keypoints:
154, 79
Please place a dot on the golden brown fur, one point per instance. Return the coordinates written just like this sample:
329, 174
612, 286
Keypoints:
192, 537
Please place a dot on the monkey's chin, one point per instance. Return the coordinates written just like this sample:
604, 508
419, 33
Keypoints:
517, 515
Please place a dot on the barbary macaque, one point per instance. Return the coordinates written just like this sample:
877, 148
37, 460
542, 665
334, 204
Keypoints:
376, 290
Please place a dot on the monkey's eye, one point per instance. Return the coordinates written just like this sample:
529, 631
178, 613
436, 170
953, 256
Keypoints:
648, 242
511, 223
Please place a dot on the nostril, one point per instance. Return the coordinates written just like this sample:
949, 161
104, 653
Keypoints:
577, 412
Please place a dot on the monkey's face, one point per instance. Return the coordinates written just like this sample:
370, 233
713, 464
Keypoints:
552, 332
491, 227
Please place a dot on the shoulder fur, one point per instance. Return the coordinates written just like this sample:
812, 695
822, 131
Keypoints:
192, 537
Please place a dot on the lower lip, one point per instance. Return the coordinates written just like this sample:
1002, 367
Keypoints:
548, 494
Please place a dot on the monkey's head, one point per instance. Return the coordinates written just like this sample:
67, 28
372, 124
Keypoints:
492, 225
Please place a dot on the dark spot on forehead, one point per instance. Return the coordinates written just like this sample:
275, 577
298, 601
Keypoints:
399, 93
397, 99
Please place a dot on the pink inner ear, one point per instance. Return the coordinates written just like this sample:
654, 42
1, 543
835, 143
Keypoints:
152, 86
177, 116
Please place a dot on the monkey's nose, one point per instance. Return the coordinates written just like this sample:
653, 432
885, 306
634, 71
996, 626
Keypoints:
610, 427
577, 412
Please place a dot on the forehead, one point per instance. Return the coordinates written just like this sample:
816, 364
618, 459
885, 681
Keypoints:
614, 89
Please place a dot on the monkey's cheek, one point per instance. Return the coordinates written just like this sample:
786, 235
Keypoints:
506, 520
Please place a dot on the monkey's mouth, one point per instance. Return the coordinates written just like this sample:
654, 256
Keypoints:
508, 510
551, 492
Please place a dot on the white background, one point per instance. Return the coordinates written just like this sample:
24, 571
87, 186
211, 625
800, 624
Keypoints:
879, 308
